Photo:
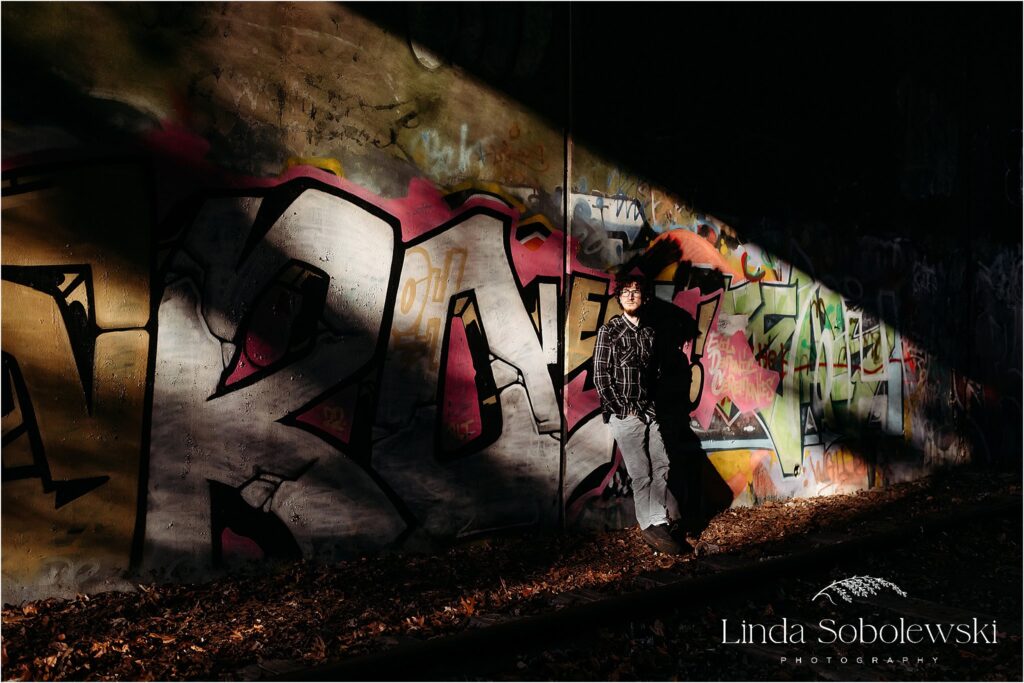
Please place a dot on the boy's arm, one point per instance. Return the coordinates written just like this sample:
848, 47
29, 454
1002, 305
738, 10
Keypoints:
603, 377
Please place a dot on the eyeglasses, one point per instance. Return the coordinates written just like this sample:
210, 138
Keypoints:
634, 293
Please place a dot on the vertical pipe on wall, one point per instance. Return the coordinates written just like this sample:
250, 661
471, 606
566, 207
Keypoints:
566, 278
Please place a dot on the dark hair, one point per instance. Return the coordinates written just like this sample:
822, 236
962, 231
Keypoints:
639, 280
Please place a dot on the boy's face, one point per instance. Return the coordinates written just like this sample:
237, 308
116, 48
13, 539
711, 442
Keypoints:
631, 298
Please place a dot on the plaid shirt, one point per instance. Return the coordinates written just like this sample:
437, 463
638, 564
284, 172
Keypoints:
623, 368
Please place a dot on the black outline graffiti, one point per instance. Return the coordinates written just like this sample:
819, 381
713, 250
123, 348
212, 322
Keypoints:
303, 333
618, 486
44, 176
230, 510
79, 320
275, 202
16, 397
506, 222
486, 391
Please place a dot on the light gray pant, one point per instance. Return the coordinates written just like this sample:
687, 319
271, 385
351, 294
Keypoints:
646, 461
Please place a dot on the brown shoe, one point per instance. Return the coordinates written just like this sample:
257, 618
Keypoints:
659, 538
685, 534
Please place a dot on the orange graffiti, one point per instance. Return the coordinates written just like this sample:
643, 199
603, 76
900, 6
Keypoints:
698, 251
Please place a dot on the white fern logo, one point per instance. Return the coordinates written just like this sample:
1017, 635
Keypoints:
860, 586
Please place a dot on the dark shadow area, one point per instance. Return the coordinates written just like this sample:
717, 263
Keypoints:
876, 149
693, 480
521, 49
788, 113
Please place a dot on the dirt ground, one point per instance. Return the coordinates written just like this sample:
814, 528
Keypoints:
972, 571
307, 613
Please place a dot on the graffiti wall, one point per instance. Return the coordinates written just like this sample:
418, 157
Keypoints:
280, 313
786, 379
76, 347
336, 373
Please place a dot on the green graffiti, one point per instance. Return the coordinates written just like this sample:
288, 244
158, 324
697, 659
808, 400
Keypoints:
826, 361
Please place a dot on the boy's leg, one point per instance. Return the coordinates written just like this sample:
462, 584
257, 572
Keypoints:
630, 434
663, 506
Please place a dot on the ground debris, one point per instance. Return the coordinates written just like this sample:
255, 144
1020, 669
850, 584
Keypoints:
310, 612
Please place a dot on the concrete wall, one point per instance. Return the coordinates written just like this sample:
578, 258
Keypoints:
281, 283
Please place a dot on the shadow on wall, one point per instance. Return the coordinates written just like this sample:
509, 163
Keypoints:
419, 363
693, 480
328, 377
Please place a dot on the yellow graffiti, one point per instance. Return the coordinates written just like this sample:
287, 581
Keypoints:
76, 251
324, 163
584, 319
425, 284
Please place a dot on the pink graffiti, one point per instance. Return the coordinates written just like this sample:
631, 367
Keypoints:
460, 412
733, 372
688, 300
532, 260
175, 141
269, 334
334, 415
239, 547
579, 403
